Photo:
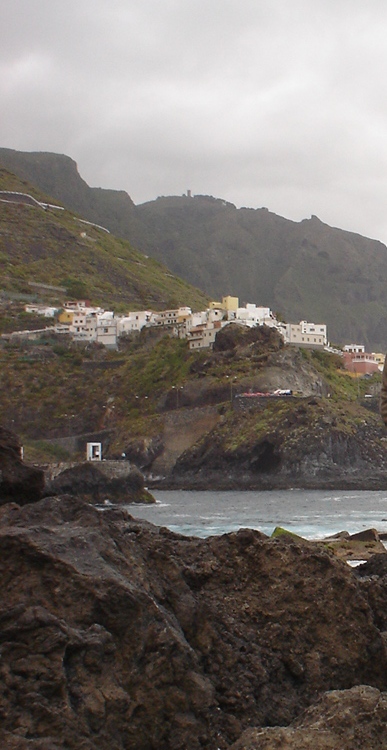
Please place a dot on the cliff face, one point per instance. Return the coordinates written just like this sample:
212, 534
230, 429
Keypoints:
119, 635
274, 443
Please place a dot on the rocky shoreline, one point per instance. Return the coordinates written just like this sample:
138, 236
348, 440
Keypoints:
119, 635
219, 481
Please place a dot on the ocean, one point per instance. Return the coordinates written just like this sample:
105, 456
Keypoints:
312, 514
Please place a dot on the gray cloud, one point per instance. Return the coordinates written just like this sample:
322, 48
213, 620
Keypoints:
260, 102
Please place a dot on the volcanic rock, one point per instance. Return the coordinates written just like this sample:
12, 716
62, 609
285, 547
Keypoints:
95, 485
18, 482
372, 576
143, 451
263, 338
277, 443
341, 720
118, 635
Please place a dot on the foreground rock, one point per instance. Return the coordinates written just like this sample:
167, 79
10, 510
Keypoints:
112, 481
117, 635
18, 482
361, 546
342, 720
350, 547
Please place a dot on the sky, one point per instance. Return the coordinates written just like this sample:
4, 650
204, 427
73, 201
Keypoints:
275, 103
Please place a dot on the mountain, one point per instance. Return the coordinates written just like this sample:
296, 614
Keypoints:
303, 270
57, 176
54, 247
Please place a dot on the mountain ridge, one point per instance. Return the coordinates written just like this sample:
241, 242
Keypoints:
303, 270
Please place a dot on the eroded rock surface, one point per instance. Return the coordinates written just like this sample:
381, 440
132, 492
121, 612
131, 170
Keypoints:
284, 443
18, 482
117, 635
91, 483
341, 720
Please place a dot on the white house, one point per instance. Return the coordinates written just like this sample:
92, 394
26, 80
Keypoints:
45, 310
106, 332
306, 334
354, 348
251, 315
133, 321
101, 328
203, 336
171, 317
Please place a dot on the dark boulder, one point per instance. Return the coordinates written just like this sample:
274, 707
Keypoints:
19, 483
90, 482
233, 336
368, 535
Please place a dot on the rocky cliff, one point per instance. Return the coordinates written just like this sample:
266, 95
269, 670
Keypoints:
282, 443
119, 635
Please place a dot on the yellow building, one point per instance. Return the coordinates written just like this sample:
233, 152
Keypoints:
229, 304
380, 357
66, 317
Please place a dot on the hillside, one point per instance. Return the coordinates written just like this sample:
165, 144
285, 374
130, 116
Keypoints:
181, 415
57, 248
304, 270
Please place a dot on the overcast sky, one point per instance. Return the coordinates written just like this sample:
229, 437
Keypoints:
277, 103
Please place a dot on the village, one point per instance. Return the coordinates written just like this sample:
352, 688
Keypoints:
84, 323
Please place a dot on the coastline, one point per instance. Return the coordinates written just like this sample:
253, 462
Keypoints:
218, 481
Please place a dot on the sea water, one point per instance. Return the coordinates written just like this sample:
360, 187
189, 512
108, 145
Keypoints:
312, 514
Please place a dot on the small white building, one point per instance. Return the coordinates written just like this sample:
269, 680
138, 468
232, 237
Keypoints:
44, 310
94, 327
354, 348
78, 304
133, 321
306, 334
106, 332
251, 315
203, 318
203, 336
93, 451
174, 317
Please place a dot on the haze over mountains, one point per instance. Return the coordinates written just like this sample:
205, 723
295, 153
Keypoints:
303, 270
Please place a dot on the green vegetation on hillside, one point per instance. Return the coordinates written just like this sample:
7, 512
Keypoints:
54, 247
53, 388
305, 270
